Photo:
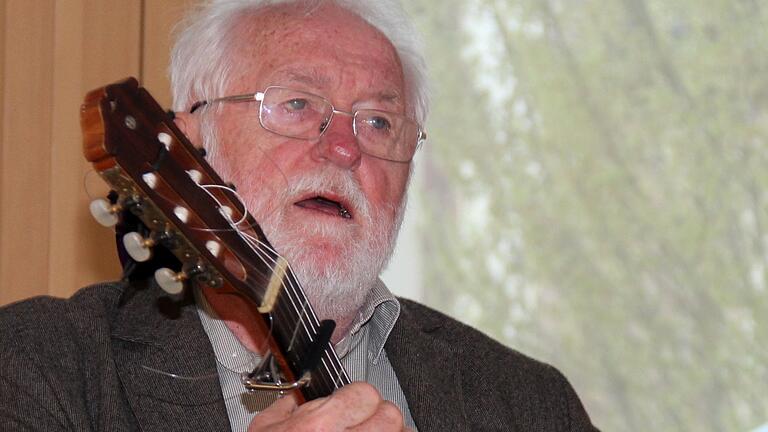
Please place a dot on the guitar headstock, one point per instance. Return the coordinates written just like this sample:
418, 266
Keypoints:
164, 181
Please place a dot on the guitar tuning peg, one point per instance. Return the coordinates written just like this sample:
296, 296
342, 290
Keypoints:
138, 247
182, 213
170, 281
213, 247
195, 175
165, 139
104, 212
226, 211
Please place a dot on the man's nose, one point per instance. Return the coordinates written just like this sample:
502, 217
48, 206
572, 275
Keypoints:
338, 144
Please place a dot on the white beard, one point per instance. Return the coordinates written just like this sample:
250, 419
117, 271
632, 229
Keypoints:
336, 289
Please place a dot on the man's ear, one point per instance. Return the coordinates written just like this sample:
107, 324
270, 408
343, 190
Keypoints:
190, 126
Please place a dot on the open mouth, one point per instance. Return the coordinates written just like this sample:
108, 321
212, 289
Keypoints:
325, 205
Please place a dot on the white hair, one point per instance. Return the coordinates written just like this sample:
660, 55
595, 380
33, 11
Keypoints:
201, 59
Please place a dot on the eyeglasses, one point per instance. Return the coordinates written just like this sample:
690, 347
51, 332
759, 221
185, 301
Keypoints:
297, 114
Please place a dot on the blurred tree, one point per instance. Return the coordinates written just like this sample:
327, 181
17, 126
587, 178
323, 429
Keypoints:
596, 197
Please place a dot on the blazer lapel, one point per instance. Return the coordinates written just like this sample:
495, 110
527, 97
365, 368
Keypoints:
166, 364
434, 399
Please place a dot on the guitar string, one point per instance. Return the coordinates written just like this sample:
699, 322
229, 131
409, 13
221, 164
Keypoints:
297, 327
212, 376
258, 246
341, 377
88, 188
340, 374
244, 210
291, 293
181, 377
254, 243
338, 377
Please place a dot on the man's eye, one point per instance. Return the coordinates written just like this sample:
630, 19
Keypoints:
296, 104
378, 122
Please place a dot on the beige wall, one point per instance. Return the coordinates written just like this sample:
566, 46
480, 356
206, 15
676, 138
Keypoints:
51, 53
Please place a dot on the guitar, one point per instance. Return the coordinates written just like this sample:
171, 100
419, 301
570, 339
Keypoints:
161, 180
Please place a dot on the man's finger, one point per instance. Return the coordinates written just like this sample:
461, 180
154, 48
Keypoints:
354, 402
386, 418
279, 411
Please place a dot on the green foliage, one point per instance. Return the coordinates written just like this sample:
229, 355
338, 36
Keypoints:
596, 196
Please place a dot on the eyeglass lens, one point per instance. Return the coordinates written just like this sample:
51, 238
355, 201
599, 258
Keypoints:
303, 115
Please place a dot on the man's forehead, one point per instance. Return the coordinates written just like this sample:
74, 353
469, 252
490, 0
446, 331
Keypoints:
292, 16
318, 79
320, 52
307, 76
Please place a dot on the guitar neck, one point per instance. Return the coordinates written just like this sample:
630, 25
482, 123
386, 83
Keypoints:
297, 327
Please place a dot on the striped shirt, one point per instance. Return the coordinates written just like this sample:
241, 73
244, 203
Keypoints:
361, 352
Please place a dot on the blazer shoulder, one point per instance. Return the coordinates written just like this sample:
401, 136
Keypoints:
478, 350
54, 359
44, 317
519, 389
456, 334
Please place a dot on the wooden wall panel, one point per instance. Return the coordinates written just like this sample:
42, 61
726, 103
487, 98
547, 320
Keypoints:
2, 133
28, 64
2, 122
65, 163
92, 50
160, 18
51, 53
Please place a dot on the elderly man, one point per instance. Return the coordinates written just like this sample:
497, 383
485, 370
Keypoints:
313, 109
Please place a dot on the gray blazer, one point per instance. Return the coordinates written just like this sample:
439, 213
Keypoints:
103, 359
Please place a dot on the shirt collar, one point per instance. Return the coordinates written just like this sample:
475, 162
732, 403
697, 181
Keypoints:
377, 317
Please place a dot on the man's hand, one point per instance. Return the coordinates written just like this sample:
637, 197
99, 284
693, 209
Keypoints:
355, 407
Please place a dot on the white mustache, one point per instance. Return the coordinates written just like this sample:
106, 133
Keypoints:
340, 183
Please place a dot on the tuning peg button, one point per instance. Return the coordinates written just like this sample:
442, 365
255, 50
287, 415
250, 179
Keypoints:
165, 139
182, 213
170, 281
138, 247
150, 179
195, 175
227, 212
104, 212
213, 247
